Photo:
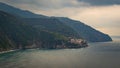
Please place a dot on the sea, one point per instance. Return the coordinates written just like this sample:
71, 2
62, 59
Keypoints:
96, 55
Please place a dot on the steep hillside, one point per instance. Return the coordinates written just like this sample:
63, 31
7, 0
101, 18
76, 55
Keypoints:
61, 25
18, 12
52, 25
5, 42
15, 34
15, 31
40, 21
86, 32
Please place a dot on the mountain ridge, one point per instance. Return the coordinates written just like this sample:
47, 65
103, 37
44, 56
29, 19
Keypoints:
16, 34
83, 31
18, 12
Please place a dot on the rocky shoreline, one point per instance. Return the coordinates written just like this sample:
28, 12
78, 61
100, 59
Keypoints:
58, 47
7, 51
71, 44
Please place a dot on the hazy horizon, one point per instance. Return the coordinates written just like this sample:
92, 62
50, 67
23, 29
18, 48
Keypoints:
103, 15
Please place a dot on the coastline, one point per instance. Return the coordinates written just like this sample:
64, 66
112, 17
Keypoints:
2, 52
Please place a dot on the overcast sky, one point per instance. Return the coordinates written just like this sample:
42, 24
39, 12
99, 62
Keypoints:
104, 15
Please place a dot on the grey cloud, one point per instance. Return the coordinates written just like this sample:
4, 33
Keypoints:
101, 2
39, 3
46, 4
57, 4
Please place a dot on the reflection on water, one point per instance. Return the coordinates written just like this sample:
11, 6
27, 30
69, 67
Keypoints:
97, 55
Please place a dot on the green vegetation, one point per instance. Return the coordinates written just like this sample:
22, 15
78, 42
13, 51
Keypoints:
53, 25
15, 34
21, 29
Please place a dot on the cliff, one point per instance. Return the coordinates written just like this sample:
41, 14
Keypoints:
20, 29
61, 25
16, 34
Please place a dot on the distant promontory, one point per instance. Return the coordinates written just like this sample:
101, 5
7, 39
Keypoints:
20, 29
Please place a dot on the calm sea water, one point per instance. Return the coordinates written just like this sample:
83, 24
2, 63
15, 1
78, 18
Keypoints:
97, 55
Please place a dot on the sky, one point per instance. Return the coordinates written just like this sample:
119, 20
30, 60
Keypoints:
103, 15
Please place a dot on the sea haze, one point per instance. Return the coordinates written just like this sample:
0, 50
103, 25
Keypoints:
116, 38
97, 55
47, 34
